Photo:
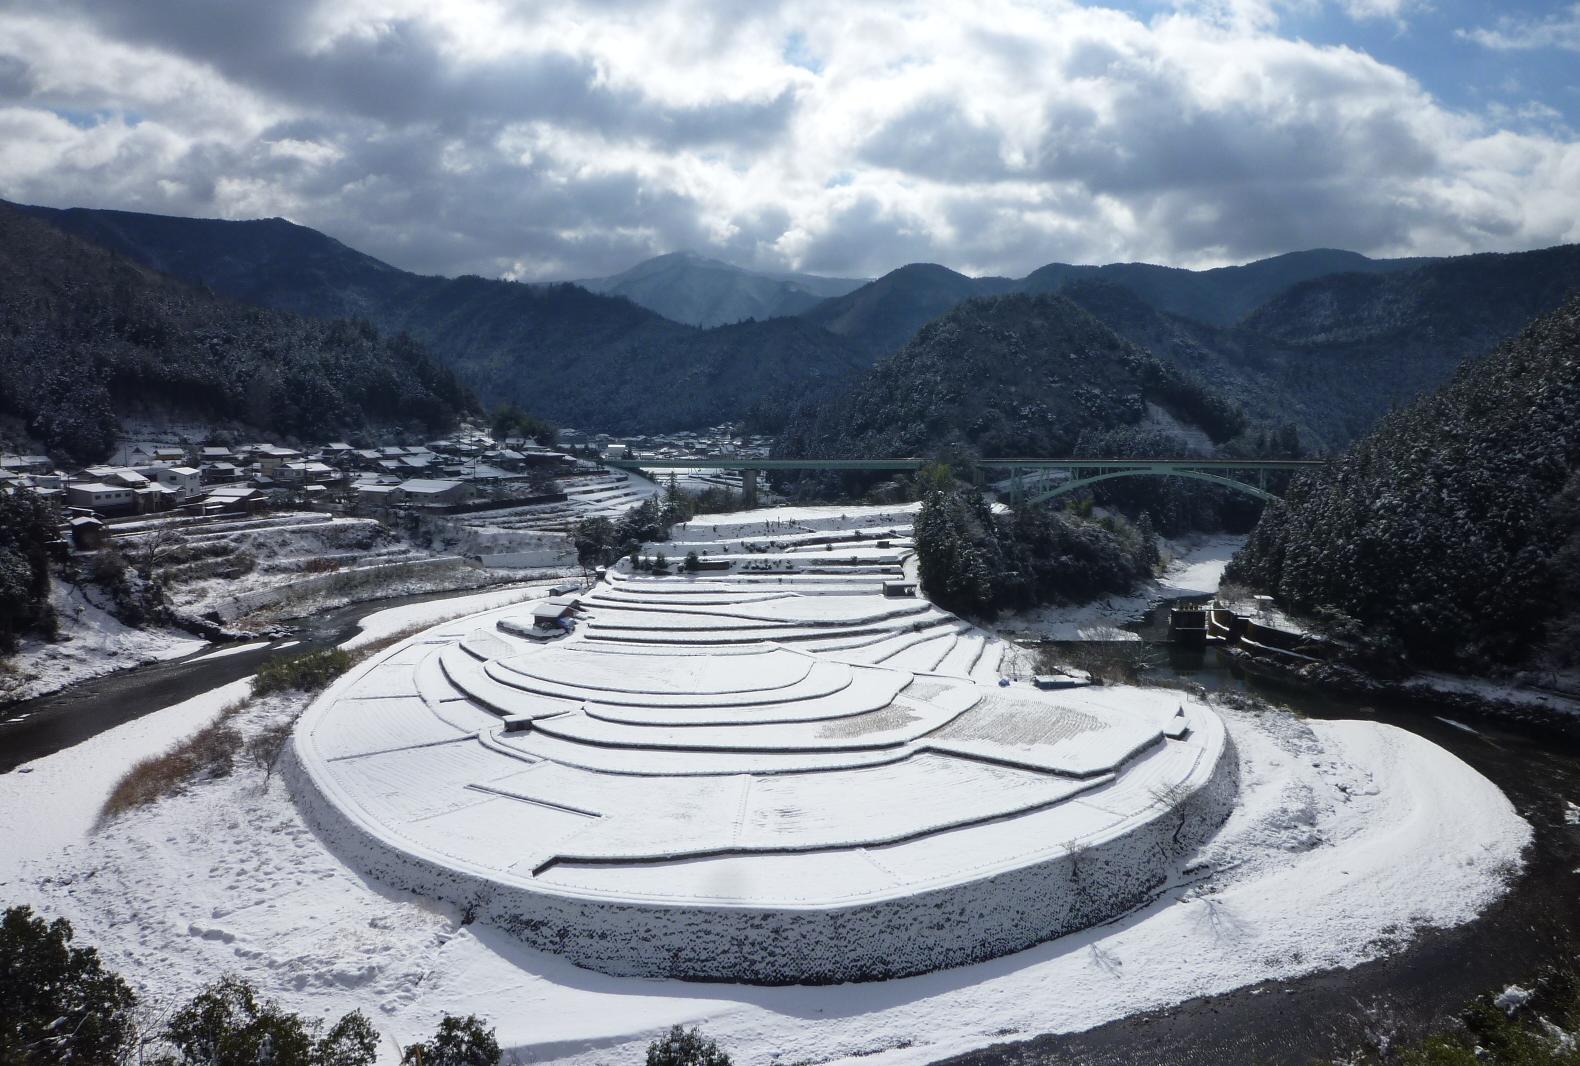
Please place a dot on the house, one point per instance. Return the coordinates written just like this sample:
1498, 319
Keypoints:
186, 481
87, 533
434, 491
271, 456
616, 451
221, 472
216, 454
375, 494
551, 615
243, 498
104, 498
25, 464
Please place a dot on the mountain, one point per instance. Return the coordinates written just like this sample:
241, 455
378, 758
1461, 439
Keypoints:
686, 287
559, 351
1332, 355
87, 336
882, 315
1012, 375
1451, 533
1220, 296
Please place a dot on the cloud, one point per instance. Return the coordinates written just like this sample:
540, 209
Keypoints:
569, 140
1512, 34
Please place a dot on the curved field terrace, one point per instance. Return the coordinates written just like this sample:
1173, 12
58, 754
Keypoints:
768, 773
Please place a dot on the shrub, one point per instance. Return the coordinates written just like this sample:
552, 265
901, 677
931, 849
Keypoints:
458, 1042
58, 1004
305, 673
227, 1025
679, 1047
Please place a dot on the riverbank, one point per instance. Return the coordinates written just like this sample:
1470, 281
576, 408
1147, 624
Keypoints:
1434, 693
1193, 566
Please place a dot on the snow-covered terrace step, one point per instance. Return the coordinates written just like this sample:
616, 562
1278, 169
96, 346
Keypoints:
801, 812
967, 650
864, 692
822, 680
900, 723
878, 651
986, 668
467, 675
651, 762
802, 611
924, 656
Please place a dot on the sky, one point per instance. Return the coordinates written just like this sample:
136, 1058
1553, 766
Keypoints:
574, 138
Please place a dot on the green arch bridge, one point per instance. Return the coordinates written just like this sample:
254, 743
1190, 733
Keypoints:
1028, 478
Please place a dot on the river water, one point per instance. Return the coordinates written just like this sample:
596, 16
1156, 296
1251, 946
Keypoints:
1326, 1015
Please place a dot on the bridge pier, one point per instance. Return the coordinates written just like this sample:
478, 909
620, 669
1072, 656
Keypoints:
748, 489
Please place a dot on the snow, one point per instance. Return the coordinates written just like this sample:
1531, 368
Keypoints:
1345, 838
383, 624
1345, 831
52, 803
1195, 569
92, 643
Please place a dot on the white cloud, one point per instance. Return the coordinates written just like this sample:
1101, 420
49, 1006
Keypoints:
1558, 30
572, 139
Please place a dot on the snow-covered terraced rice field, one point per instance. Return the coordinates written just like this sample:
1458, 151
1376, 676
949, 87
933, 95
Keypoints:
757, 775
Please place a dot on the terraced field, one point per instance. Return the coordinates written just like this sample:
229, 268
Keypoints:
769, 772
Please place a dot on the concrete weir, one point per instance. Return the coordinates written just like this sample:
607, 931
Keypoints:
671, 792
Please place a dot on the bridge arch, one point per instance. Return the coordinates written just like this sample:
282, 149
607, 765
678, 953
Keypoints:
1076, 484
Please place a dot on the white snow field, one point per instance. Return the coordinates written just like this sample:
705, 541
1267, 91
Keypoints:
1345, 839
770, 776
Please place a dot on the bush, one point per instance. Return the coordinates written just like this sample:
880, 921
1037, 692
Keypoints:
58, 1004
458, 1042
227, 1025
679, 1047
305, 673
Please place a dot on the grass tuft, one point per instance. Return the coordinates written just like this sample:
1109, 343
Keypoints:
208, 753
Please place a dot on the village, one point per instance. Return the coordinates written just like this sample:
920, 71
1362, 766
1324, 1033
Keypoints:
468, 472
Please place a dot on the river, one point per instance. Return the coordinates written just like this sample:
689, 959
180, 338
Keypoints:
42, 726
1324, 1015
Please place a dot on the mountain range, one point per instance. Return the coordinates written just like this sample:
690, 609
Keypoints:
1324, 341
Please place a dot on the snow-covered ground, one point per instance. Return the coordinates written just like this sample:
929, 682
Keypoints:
1349, 837
1195, 567
92, 643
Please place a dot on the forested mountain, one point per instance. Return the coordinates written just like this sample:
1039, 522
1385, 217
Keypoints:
1329, 354
690, 288
87, 335
882, 315
1453, 530
1220, 296
558, 351
1011, 375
